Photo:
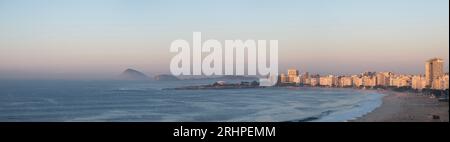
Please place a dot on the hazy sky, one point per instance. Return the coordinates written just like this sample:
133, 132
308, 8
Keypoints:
100, 38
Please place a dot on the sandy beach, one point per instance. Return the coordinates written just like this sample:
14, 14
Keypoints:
408, 107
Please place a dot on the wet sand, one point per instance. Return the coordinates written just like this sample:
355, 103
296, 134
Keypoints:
407, 107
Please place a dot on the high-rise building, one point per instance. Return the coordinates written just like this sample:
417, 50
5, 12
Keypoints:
434, 68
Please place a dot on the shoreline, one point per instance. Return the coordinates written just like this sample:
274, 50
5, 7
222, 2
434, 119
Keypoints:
394, 107
407, 107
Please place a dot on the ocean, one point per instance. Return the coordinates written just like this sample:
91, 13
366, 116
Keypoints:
148, 101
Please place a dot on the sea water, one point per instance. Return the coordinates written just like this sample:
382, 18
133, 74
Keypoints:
137, 101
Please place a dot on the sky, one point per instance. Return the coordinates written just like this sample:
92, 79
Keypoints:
101, 38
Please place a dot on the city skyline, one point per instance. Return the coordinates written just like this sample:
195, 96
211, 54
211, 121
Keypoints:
434, 78
99, 39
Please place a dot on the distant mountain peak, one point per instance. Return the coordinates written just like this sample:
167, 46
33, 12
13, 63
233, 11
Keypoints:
132, 74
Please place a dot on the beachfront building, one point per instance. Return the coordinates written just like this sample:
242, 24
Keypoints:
307, 81
315, 81
292, 74
303, 78
283, 78
297, 80
323, 81
446, 81
328, 80
382, 78
357, 80
434, 68
369, 81
418, 82
291, 77
440, 83
400, 81
345, 81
